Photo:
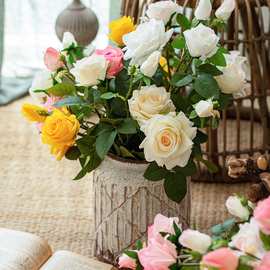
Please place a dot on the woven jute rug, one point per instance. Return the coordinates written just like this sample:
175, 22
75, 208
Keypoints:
38, 195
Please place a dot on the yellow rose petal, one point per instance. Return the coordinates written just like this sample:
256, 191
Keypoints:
34, 113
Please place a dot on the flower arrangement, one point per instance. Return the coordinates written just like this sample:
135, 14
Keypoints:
165, 79
240, 243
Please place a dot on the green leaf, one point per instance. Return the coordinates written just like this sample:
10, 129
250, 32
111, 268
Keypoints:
189, 170
125, 152
128, 126
175, 186
266, 240
206, 86
246, 263
210, 69
131, 254
139, 245
221, 228
193, 115
154, 172
219, 243
179, 42
200, 137
108, 95
86, 144
70, 101
218, 59
210, 166
184, 81
104, 142
73, 153
180, 102
177, 230
62, 89
183, 21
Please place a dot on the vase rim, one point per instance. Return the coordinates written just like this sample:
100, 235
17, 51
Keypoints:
127, 161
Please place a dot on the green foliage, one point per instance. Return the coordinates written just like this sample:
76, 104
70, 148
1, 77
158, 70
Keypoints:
183, 21
218, 59
266, 241
62, 89
70, 101
179, 42
105, 141
155, 173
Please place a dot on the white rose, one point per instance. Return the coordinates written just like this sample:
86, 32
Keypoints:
201, 41
248, 239
195, 241
203, 10
41, 81
205, 108
147, 38
236, 208
148, 102
68, 40
163, 10
225, 10
234, 74
168, 140
149, 67
90, 70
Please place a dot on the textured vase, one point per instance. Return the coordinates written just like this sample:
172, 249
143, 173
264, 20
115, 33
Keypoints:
125, 204
80, 21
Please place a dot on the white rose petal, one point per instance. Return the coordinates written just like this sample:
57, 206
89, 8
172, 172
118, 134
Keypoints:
236, 208
90, 70
148, 102
234, 75
146, 39
225, 10
149, 67
248, 239
168, 140
41, 81
203, 10
201, 41
205, 108
163, 10
195, 241
68, 40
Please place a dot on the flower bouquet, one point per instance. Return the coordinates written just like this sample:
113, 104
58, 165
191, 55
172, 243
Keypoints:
240, 243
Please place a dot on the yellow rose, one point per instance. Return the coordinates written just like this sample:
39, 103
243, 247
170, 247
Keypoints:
163, 63
119, 28
34, 113
59, 131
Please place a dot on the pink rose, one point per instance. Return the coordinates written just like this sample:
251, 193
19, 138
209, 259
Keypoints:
265, 264
262, 215
160, 254
52, 59
162, 224
126, 262
222, 259
115, 58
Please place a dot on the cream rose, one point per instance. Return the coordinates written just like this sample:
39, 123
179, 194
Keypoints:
41, 81
234, 75
149, 67
203, 10
68, 40
168, 140
236, 208
225, 10
163, 10
148, 102
201, 41
90, 70
195, 241
205, 108
148, 37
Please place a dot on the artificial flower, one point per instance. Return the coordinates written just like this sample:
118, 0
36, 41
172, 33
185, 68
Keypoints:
126, 262
164, 63
68, 40
236, 208
90, 70
221, 259
50, 101
262, 215
114, 57
34, 113
234, 74
42, 81
195, 241
205, 108
265, 263
52, 59
148, 37
248, 239
150, 65
225, 10
148, 102
168, 140
59, 131
162, 10
203, 10
201, 41
119, 28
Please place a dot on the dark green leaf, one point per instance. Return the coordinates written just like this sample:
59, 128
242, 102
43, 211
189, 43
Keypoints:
108, 95
218, 59
266, 240
70, 101
124, 152
86, 144
139, 245
62, 89
189, 170
246, 263
206, 86
104, 142
179, 42
73, 153
185, 81
131, 254
183, 21
210, 69
200, 137
155, 173
180, 102
175, 186
128, 126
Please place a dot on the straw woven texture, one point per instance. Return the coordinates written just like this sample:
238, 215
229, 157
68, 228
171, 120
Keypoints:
38, 196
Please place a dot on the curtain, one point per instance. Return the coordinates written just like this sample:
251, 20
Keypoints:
28, 28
